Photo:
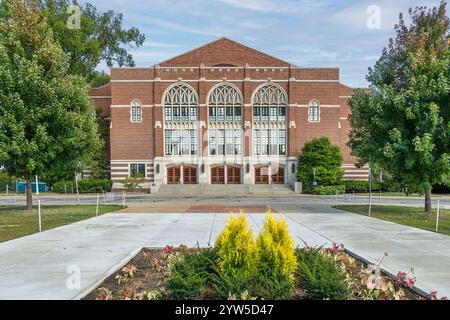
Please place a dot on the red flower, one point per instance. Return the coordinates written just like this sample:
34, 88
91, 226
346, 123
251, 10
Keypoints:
433, 295
168, 249
410, 282
335, 247
182, 247
401, 276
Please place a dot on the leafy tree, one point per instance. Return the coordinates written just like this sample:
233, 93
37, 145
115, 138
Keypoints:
325, 158
47, 120
402, 122
101, 37
134, 181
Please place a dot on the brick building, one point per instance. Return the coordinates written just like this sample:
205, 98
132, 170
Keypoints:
221, 114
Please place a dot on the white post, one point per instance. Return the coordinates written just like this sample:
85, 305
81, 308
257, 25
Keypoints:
370, 191
76, 186
123, 199
37, 185
98, 199
437, 216
7, 189
65, 190
39, 214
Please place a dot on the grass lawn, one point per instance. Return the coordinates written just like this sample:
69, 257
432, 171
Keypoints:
408, 216
16, 222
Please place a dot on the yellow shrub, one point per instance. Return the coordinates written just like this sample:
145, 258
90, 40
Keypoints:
236, 246
276, 248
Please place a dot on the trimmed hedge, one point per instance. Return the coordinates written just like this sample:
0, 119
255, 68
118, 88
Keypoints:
84, 186
360, 186
326, 190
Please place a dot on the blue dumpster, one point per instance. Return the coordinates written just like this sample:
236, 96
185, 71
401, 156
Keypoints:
21, 187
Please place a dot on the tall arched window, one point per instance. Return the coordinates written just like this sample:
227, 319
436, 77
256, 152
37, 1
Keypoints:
225, 106
136, 111
180, 104
269, 106
314, 111
180, 110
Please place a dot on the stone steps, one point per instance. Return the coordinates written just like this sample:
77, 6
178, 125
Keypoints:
238, 189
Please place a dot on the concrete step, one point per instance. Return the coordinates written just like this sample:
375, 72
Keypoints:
237, 189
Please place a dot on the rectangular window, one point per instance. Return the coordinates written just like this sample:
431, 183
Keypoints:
168, 114
237, 114
265, 142
273, 113
194, 145
282, 142
212, 114
176, 114
220, 114
229, 143
265, 114
282, 114
256, 114
273, 142
136, 114
176, 142
212, 142
220, 142
257, 142
168, 142
193, 115
184, 114
137, 168
237, 142
229, 114
314, 114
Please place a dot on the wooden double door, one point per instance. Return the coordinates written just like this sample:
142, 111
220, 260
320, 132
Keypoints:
262, 175
233, 174
189, 175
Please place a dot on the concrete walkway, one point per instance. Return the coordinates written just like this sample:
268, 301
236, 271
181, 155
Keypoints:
36, 267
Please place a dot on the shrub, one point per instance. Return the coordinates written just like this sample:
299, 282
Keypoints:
236, 247
276, 249
360, 186
84, 186
269, 287
190, 275
133, 182
326, 190
325, 158
320, 276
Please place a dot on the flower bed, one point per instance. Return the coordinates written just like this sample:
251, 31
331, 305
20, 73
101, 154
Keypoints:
240, 267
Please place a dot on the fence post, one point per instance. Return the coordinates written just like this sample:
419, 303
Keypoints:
370, 191
96, 210
39, 214
76, 185
7, 189
437, 216
123, 199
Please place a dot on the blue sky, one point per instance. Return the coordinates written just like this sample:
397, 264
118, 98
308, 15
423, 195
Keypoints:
307, 33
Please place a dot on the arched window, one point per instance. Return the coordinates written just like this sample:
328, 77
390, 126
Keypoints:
225, 104
181, 104
136, 111
314, 111
269, 104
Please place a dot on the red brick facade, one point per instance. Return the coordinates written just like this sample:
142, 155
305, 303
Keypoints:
223, 61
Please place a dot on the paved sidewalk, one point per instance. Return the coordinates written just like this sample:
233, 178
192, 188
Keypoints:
35, 267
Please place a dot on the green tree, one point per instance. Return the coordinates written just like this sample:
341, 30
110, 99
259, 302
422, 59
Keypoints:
48, 122
324, 158
402, 122
101, 37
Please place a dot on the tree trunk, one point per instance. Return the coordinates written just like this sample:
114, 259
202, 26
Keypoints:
428, 208
29, 194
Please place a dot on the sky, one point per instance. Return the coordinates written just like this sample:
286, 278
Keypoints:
308, 33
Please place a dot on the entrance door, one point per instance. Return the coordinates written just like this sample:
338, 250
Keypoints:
218, 175
278, 176
173, 175
233, 175
189, 175
262, 175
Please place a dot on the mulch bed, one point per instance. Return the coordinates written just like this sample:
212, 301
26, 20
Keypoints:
148, 277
